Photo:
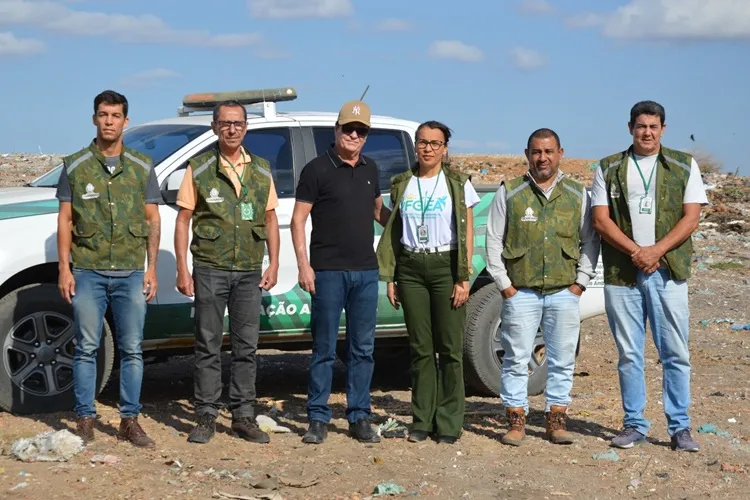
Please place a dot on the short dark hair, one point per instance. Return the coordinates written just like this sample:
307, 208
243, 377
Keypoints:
543, 133
647, 108
436, 125
112, 98
229, 104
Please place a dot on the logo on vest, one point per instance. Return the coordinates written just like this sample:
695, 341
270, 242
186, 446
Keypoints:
214, 196
529, 217
90, 194
613, 191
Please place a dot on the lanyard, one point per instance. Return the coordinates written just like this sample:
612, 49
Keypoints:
243, 191
646, 185
419, 186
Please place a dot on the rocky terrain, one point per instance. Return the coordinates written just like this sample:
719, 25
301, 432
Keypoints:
478, 466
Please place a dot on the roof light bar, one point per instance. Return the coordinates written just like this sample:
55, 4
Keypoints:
244, 97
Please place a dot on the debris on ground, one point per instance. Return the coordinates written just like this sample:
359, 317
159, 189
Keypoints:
712, 429
387, 489
716, 321
732, 468
634, 484
746, 326
610, 455
105, 459
267, 424
49, 446
392, 428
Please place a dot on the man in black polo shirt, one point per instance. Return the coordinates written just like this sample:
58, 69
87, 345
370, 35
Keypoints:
340, 189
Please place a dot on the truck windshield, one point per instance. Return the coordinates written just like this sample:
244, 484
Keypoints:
157, 141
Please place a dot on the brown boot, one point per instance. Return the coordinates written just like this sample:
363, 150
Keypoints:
517, 422
556, 420
85, 429
131, 430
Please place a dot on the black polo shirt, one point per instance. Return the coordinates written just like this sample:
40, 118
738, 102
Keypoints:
343, 201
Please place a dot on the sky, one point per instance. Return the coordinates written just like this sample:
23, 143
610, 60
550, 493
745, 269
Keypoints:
492, 70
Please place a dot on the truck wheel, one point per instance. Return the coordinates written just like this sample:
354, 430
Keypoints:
483, 354
38, 343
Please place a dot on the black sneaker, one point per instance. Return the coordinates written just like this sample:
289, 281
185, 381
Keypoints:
316, 433
418, 436
362, 431
683, 441
204, 431
247, 428
628, 438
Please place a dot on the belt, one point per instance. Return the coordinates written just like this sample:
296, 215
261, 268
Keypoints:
443, 248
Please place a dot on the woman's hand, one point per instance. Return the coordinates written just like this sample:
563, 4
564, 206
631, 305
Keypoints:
460, 294
393, 295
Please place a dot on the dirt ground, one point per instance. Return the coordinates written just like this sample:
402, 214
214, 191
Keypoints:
477, 466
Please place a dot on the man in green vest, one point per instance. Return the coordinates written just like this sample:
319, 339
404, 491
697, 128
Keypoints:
646, 203
230, 197
541, 252
108, 225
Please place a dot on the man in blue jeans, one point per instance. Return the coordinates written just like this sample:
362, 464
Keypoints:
108, 222
646, 203
341, 190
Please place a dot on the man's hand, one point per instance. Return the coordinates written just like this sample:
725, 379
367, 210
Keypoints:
509, 292
575, 289
460, 294
307, 279
270, 276
647, 258
393, 295
150, 284
185, 283
66, 283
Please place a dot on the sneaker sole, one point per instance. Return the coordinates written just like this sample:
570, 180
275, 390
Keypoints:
251, 440
629, 445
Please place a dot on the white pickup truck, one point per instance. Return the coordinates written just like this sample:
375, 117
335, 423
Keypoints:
36, 325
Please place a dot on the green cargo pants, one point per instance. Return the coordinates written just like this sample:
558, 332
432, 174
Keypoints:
425, 282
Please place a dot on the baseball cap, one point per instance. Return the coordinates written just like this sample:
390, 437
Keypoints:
354, 111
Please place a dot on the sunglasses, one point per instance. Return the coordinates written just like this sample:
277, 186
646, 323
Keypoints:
349, 128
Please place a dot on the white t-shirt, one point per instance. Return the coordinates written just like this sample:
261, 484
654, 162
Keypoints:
438, 213
644, 225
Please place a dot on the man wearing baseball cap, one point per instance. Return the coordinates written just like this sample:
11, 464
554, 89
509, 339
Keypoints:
340, 191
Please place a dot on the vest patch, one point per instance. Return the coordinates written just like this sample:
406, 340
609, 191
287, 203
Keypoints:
529, 216
90, 193
214, 196
613, 191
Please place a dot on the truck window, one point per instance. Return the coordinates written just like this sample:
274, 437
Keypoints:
386, 147
275, 146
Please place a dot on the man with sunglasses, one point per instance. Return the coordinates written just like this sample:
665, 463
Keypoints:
230, 196
341, 191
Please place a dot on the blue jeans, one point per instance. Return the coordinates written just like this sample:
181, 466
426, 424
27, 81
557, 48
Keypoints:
665, 303
559, 316
356, 293
125, 295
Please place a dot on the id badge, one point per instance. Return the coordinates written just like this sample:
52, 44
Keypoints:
423, 236
246, 209
644, 207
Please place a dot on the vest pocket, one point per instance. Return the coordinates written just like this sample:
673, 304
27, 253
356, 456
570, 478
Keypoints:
260, 232
206, 232
139, 229
511, 253
569, 249
84, 230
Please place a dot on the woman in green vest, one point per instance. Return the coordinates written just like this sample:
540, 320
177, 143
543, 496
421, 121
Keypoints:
424, 255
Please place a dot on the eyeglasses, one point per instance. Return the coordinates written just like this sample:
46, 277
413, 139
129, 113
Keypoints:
435, 145
239, 125
361, 131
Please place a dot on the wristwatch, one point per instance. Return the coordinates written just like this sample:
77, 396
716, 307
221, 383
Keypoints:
583, 288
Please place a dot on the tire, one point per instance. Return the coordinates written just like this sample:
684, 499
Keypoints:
482, 350
36, 328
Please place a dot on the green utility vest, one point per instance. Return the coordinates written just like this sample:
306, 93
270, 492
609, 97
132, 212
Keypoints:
221, 239
390, 245
542, 238
672, 174
110, 231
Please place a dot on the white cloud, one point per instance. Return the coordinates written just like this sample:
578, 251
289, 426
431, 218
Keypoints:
299, 9
455, 50
672, 20
391, 25
527, 59
12, 46
59, 18
535, 7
